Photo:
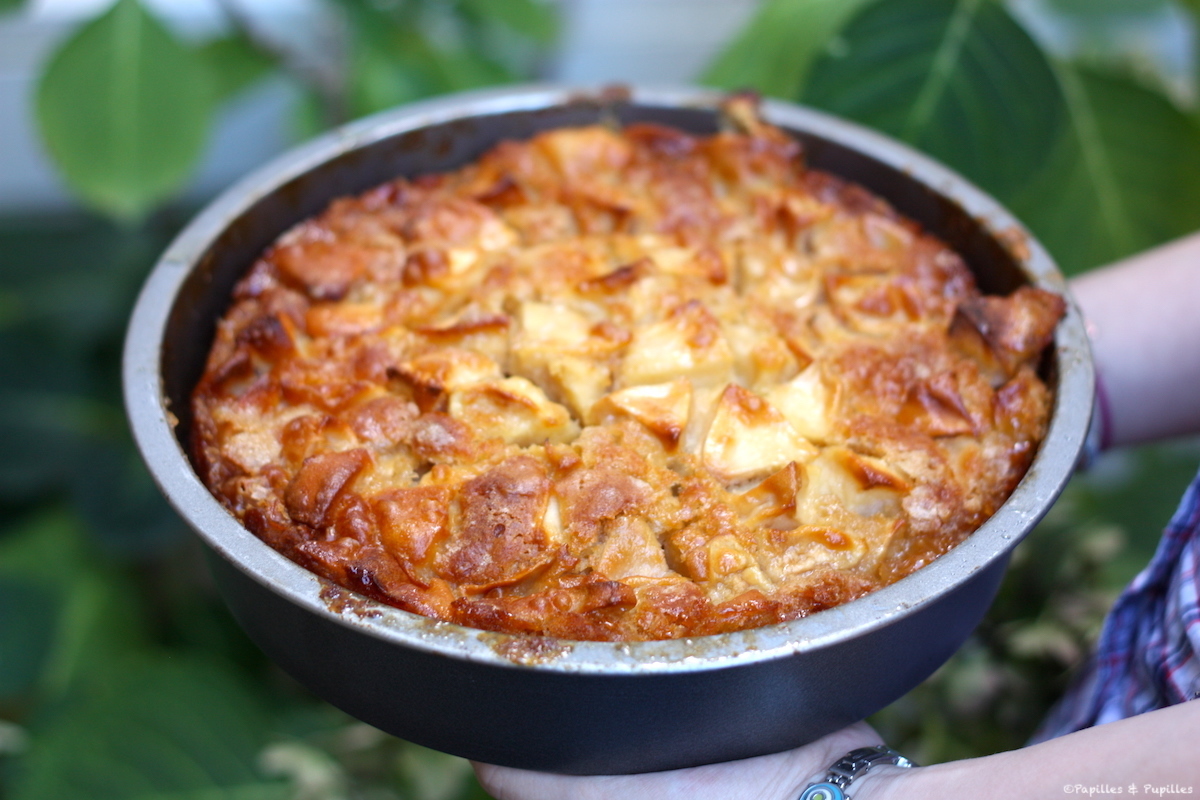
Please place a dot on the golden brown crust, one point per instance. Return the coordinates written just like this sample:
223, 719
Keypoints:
619, 385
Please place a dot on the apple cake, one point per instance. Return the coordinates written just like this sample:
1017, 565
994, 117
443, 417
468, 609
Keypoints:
619, 384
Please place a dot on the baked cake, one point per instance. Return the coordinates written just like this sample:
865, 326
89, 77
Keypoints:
619, 384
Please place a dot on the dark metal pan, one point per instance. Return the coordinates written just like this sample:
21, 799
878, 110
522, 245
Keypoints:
582, 707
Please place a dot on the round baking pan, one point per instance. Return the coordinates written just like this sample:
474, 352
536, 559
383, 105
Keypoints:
562, 706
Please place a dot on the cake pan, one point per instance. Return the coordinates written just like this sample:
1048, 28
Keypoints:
562, 706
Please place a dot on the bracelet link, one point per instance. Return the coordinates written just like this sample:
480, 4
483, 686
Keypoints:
851, 767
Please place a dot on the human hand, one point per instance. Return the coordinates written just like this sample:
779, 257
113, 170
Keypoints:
781, 776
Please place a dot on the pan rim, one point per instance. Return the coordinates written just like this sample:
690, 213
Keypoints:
147, 408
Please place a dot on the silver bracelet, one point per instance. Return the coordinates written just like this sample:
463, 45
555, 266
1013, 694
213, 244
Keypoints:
850, 768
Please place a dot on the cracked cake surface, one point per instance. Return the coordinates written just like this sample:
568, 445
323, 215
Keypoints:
619, 385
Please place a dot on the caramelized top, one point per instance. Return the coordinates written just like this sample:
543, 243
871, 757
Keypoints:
619, 385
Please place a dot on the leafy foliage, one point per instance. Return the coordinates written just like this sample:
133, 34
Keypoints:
1110, 189
173, 728
776, 51
992, 695
27, 611
1079, 154
235, 64
121, 674
527, 18
125, 108
959, 79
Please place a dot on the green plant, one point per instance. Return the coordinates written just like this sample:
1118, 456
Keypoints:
1099, 160
125, 106
121, 674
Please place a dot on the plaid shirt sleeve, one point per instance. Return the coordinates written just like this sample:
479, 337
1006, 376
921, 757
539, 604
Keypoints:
1148, 655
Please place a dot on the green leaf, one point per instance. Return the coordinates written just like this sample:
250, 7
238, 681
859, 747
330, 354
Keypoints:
1107, 7
42, 434
71, 282
10, 5
124, 109
776, 49
383, 28
959, 79
47, 414
235, 64
158, 728
465, 69
531, 18
11, 308
122, 506
434, 776
407, 66
28, 611
377, 82
97, 617
389, 64
1134, 490
311, 771
46, 549
308, 114
1124, 177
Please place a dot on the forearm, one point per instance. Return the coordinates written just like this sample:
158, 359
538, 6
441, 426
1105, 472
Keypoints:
1144, 318
1158, 749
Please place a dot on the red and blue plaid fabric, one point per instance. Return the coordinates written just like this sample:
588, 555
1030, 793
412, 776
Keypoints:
1148, 655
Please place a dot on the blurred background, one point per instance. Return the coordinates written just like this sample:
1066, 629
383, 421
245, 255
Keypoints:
121, 674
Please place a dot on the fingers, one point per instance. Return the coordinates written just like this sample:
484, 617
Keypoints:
780, 776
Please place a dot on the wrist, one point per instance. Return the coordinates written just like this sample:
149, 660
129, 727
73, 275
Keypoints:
847, 778
885, 783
